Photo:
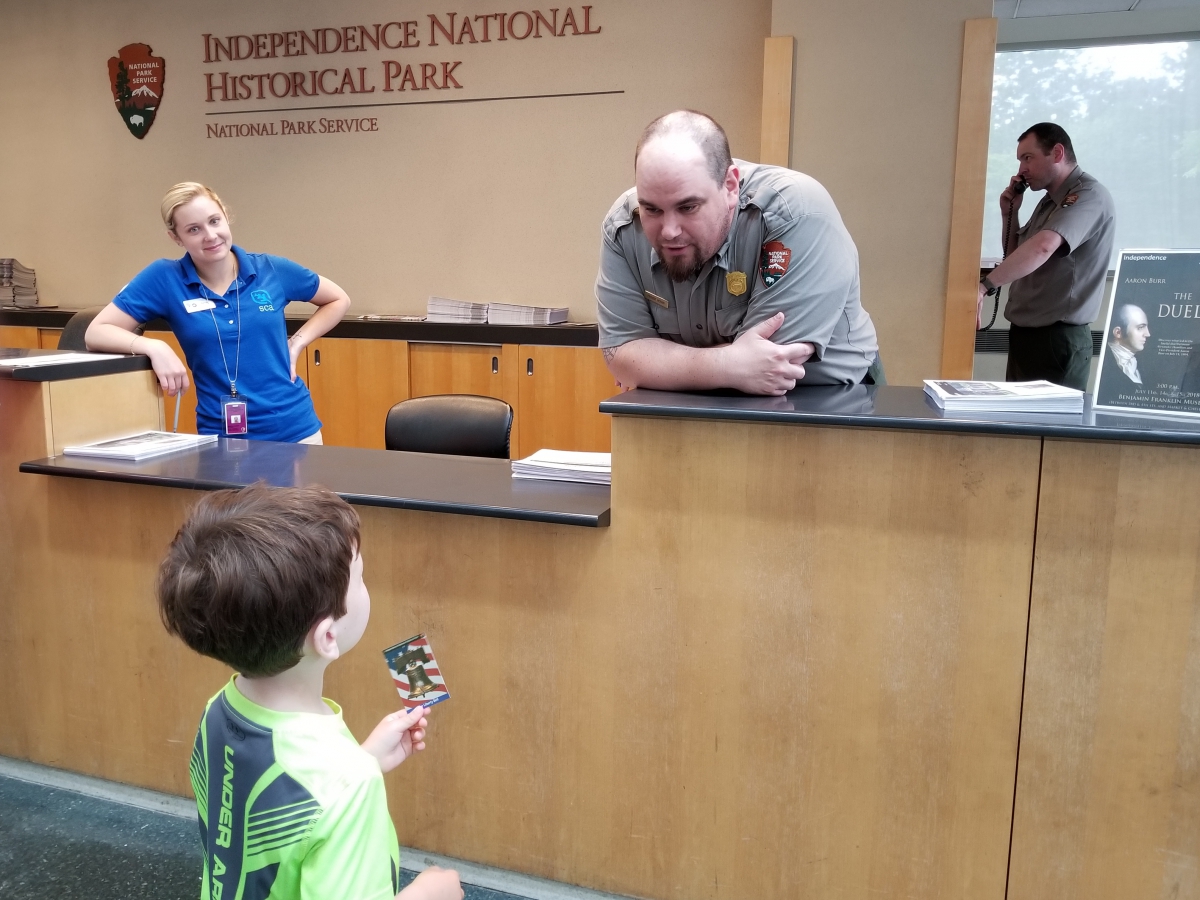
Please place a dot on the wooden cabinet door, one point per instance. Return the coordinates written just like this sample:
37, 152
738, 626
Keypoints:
19, 336
488, 370
354, 382
48, 338
187, 405
560, 392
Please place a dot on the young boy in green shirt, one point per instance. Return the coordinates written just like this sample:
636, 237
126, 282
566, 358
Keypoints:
269, 581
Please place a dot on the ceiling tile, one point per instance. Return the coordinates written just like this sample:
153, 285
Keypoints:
1070, 7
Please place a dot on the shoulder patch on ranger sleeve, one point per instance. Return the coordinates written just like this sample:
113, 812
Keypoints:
621, 213
774, 262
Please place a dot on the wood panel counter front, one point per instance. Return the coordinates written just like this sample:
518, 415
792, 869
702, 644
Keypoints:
793, 665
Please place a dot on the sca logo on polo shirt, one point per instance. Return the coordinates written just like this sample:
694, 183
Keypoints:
263, 299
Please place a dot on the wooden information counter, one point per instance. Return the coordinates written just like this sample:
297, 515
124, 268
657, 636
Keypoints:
828, 645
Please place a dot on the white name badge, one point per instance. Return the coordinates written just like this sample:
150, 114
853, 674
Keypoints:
198, 305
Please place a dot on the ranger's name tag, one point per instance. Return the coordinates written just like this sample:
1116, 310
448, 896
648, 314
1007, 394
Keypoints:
656, 300
198, 305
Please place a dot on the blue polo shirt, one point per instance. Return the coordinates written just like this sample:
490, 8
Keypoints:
277, 408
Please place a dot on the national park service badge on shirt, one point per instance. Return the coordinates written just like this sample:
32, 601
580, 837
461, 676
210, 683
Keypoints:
735, 283
774, 262
1069, 200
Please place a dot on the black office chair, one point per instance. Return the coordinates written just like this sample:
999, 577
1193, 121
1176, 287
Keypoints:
460, 424
77, 326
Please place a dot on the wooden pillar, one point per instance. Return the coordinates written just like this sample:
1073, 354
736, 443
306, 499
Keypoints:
778, 73
966, 217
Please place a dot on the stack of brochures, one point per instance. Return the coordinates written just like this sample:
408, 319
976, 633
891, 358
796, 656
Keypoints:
441, 309
565, 465
18, 284
142, 446
1004, 397
514, 314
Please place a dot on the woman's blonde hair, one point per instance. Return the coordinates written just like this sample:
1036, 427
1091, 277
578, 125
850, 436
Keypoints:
186, 192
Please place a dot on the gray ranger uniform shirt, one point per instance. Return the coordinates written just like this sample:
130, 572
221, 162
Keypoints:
787, 250
1069, 286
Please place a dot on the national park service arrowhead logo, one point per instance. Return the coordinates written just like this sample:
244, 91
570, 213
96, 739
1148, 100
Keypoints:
136, 77
774, 262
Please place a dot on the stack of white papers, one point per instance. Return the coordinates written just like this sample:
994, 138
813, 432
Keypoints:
441, 309
53, 359
142, 446
565, 465
1004, 396
18, 284
514, 314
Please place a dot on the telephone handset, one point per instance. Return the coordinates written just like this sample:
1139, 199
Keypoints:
1017, 189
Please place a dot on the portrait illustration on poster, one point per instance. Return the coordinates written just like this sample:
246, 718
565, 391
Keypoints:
136, 77
1150, 362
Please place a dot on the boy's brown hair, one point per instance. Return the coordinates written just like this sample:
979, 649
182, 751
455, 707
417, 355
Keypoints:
251, 571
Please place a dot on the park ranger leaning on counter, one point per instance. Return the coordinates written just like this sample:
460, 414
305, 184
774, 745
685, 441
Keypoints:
1057, 263
717, 273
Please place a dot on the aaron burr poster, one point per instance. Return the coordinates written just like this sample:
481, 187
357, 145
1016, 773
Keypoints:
1151, 355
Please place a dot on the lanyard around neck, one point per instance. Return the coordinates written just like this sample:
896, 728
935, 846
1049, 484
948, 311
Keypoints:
237, 357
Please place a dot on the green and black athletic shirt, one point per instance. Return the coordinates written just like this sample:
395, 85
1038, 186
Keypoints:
290, 806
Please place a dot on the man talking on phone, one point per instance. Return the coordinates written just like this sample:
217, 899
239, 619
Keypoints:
717, 273
1056, 263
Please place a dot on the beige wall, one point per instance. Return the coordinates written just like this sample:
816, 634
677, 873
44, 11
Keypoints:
876, 114
480, 201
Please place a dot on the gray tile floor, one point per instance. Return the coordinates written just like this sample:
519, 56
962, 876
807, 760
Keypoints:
56, 843
59, 844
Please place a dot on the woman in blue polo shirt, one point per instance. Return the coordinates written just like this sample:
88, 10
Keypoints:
225, 307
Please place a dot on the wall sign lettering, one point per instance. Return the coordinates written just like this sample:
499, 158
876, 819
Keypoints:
403, 59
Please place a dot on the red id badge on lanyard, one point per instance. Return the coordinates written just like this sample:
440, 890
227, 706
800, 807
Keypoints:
236, 421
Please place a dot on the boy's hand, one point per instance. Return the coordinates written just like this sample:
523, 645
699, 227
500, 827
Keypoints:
433, 884
397, 738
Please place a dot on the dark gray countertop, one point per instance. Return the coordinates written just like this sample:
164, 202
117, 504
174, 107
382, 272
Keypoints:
450, 484
86, 366
373, 329
888, 406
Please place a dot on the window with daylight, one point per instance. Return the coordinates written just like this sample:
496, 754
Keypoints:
1133, 114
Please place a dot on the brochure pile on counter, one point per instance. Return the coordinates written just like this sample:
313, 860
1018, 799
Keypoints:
565, 465
137, 447
1004, 396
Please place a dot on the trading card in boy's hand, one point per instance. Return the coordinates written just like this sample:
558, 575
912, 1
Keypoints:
415, 672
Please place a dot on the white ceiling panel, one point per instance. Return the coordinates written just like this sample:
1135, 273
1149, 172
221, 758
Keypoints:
1149, 5
1017, 9
1033, 8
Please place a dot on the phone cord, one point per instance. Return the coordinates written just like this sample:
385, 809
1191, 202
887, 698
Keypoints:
1004, 251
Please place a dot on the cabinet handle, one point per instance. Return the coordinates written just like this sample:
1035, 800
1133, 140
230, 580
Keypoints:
529, 366
316, 357
495, 364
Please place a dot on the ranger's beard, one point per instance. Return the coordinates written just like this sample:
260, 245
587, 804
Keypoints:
683, 268
687, 266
